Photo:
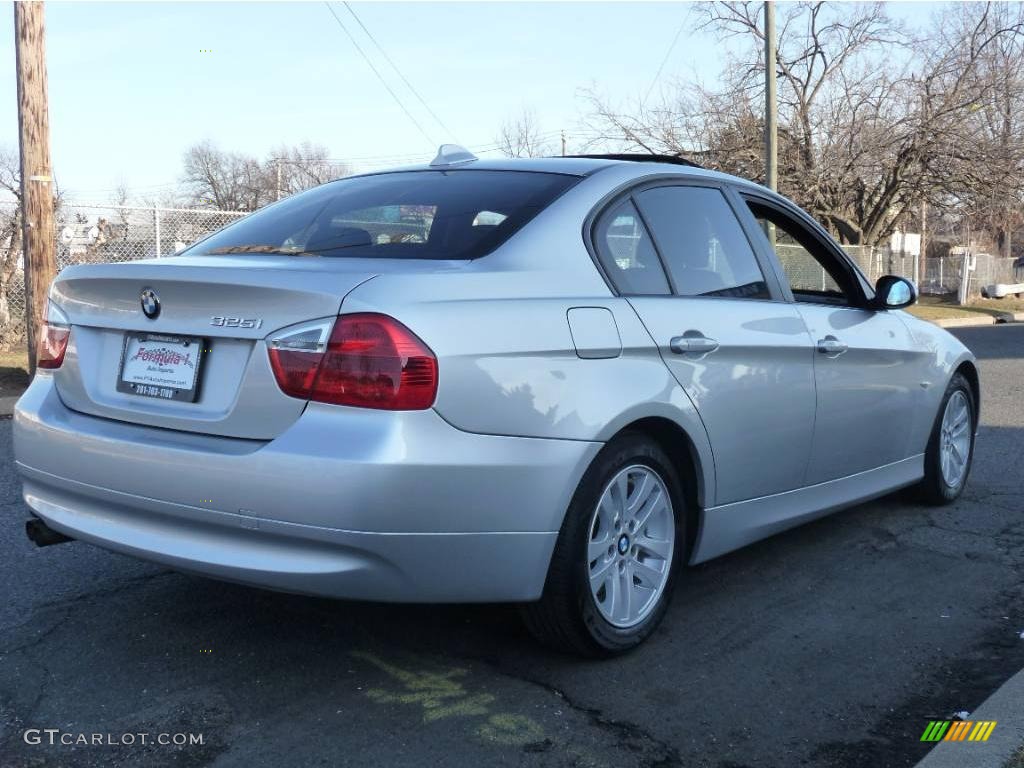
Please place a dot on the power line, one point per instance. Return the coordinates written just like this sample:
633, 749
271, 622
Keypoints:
377, 73
398, 71
668, 53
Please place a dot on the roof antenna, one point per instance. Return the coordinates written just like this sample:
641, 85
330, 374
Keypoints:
452, 154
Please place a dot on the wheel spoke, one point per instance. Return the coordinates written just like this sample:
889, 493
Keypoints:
655, 502
626, 590
611, 592
954, 470
640, 494
955, 451
660, 548
649, 577
600, 573
621, 487
606, 512
960, 417
598, 548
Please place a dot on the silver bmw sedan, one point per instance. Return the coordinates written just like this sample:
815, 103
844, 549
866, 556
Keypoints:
554, 382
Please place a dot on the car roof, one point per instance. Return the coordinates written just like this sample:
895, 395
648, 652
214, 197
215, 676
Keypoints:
571, 165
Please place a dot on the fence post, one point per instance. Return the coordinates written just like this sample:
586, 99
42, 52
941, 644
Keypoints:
156, 230
965, 279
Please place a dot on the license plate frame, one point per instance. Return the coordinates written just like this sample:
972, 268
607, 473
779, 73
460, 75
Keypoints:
156, 390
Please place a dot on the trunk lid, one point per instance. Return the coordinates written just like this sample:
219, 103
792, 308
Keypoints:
230, 303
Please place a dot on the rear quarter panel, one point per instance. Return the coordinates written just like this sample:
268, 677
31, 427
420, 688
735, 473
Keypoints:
507, 360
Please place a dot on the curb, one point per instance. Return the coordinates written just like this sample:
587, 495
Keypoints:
1006, 707
7, 405
964, 322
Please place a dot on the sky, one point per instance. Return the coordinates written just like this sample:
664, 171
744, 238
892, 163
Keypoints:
133, 85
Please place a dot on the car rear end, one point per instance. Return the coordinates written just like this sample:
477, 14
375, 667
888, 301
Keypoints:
244, 411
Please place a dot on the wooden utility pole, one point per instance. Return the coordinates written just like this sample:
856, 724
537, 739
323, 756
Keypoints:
39, 248
563, 143
771, 128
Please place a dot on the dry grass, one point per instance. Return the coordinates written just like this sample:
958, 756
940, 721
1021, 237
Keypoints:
934, 308
13, 372
1009, 304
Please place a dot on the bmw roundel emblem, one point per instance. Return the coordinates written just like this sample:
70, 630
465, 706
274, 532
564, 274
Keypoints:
150, 303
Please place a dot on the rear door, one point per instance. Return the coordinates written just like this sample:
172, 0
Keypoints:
679, 254
868, 369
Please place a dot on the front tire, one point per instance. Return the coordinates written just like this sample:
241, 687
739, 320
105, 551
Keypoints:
617, 554
947, 460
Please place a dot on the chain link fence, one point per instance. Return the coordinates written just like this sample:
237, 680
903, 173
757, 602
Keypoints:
98, 233
109, 233
942, 275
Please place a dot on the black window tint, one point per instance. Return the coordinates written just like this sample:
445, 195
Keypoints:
627, 254
703, 245
409, 215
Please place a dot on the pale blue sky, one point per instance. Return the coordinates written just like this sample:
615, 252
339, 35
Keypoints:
130, 89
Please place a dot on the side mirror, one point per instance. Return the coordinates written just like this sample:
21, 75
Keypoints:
892, 292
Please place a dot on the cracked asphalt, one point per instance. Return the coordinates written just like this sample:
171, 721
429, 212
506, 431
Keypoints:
829, 645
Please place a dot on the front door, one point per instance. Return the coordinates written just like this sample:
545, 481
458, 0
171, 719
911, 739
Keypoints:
867, 368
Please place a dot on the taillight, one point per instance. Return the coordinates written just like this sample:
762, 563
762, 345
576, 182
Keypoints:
369, 361
295, 355
53, 338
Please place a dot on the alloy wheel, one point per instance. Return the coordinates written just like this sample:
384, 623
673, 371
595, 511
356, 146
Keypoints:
629, 553
955, 439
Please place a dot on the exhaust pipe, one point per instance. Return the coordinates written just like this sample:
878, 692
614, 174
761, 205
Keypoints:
43, 535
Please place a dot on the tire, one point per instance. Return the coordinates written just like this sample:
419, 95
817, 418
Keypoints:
570, 616
936, 487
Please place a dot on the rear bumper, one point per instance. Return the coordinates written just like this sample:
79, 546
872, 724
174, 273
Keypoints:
345, 503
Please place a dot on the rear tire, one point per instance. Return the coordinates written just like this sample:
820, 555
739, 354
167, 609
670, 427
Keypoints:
947, 460
617, 555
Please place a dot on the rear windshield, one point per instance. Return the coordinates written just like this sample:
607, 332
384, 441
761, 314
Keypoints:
457, 214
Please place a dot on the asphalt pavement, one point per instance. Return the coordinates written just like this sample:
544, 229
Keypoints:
830, 645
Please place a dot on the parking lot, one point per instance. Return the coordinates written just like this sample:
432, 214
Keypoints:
829, 645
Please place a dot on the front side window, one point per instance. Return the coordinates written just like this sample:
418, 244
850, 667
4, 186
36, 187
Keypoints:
814, 275
461, 214
702, 242
627, 254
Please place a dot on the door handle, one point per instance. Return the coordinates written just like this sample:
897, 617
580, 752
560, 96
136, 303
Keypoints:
692, 342
830, 345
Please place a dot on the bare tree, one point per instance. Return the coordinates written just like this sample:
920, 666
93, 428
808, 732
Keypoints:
522, 137
11, 226
302, 167
228, 181
232, 181
863, 139
996, 196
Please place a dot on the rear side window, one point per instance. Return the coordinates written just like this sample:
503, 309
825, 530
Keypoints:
409, 215
702, 242
627, 254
